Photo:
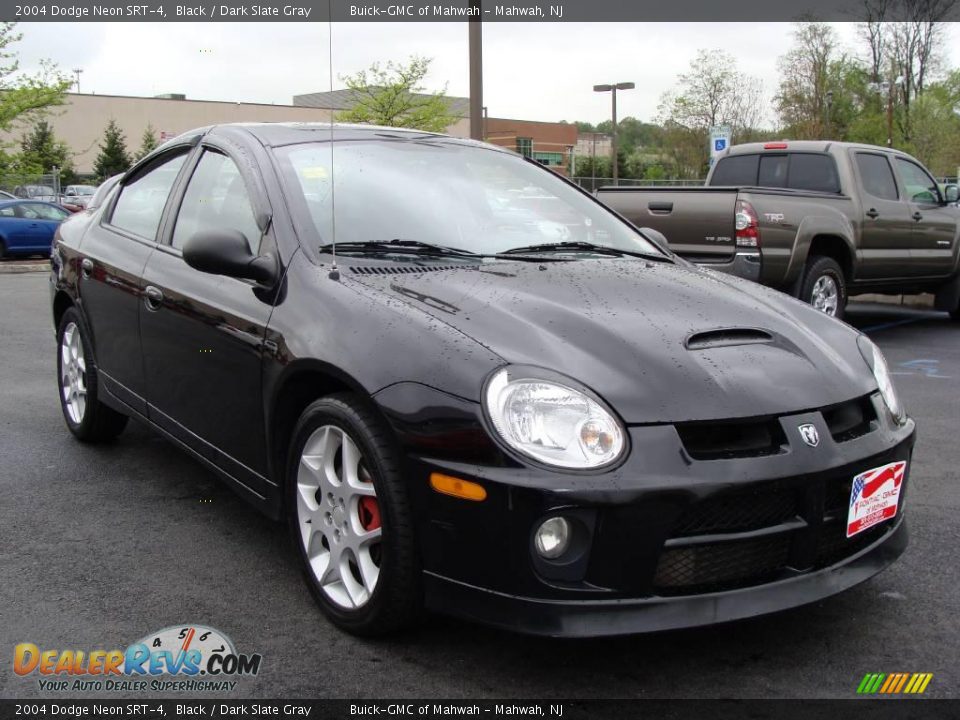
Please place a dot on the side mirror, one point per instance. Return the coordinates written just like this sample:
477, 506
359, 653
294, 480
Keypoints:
951, 193
226, 252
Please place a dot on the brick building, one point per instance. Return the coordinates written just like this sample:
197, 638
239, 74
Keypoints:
548, 143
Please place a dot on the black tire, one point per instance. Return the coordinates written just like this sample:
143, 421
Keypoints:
3, 250
825, 269
955, 315
396, 601
97, 422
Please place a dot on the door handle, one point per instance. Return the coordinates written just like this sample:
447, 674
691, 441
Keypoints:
872, 213
152, 297
660, 207
917, 216
86, 267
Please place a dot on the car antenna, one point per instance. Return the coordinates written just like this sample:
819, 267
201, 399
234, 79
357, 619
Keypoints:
334, 271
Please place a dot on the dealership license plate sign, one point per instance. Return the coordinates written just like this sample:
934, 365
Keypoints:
874, 496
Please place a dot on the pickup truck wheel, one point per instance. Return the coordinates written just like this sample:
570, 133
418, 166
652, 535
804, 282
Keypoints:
823, 286
349, 517
88, 418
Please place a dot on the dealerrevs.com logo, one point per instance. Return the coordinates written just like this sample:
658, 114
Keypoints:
178, 658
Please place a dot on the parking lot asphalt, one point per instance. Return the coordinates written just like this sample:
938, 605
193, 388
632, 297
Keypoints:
100, 546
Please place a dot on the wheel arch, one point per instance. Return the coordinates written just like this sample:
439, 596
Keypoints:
61, 303
836, 248
302, 383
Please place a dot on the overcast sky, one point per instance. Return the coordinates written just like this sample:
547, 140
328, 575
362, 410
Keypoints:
531, 71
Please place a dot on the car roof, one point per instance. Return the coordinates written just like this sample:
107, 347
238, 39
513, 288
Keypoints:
291, 133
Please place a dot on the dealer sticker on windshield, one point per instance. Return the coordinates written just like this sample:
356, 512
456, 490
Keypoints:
874, 496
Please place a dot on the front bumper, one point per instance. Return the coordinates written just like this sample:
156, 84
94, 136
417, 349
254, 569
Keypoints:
685, 532
596, 618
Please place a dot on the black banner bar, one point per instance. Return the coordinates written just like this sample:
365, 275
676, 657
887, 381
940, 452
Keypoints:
405, 709
458, 10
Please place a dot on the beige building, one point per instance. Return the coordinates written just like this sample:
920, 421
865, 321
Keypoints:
81, 121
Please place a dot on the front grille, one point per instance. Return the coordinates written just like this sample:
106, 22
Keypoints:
833, 545
850, 420
759, 436
727, 440
805, 526
721, 566
739, 512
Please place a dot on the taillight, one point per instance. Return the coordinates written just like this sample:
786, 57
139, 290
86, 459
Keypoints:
747, 225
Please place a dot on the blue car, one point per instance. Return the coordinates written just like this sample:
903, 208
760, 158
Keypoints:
27, 227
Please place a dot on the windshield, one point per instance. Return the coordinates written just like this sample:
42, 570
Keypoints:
444, 193
82, 189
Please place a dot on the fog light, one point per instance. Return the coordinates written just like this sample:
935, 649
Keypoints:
553, 537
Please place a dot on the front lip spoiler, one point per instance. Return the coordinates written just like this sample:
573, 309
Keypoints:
596, 618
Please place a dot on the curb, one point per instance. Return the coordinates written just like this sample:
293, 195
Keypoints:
24, 267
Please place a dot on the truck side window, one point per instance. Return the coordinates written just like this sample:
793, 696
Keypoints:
813, 172
877, 176
736, 170
920, 187
773, 171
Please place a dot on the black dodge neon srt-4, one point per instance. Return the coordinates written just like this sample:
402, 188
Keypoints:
469, 387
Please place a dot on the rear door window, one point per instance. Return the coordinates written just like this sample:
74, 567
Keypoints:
736, 170
813, 172
141, 202
876, 176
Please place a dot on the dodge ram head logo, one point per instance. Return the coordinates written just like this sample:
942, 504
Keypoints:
809, 434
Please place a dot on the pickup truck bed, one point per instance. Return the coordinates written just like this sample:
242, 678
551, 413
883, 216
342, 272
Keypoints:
818, 243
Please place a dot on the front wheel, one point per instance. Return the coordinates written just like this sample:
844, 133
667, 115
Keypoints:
88, 418
824, 287
350, 518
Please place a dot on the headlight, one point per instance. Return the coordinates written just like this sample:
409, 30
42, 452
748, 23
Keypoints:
871, 353
552, 422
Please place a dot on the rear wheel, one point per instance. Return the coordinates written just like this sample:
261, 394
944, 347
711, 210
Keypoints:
350, 518
88, 418
3, 250
824, 287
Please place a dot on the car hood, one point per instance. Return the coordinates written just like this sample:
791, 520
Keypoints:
628, 330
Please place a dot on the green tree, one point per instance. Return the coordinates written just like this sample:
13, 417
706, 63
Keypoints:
22, 95
113, 157
40, 148
393, 95
147, 143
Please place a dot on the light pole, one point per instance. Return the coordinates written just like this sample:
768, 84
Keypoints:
475, 35
612, 89
77, 71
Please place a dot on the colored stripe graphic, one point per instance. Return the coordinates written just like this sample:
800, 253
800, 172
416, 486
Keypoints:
894, 683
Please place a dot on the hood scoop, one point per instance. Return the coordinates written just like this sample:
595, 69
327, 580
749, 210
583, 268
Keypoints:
724, 337
395, 270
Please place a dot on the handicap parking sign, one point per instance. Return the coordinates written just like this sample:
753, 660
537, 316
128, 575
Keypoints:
719, 144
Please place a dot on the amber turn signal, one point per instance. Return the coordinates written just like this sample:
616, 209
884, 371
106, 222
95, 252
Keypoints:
456, 487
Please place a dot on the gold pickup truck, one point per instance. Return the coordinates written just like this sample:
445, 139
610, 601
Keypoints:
819, 220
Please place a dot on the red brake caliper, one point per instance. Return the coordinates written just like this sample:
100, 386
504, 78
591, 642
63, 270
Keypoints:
369, 511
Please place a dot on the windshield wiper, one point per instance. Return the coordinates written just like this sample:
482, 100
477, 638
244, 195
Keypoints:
398, 245
584, 247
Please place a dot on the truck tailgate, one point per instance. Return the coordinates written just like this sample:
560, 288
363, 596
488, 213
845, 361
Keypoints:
697, 222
